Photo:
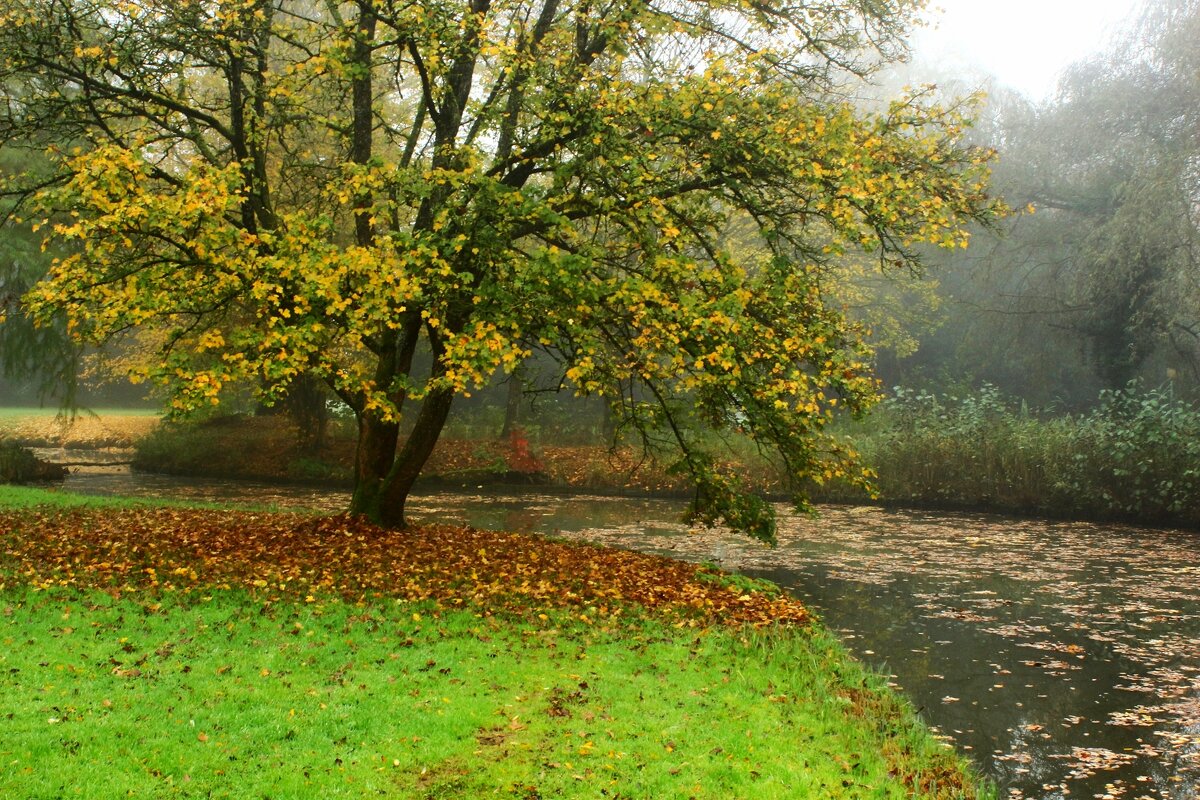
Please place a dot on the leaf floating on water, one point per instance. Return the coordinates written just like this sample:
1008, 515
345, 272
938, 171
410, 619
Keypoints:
1030, 583
1087, 761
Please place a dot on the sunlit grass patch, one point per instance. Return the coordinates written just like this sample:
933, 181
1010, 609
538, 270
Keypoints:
87, 429
24, 497
15, 498
53, 412
224, 695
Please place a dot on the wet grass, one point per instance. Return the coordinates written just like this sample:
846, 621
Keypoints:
228, 688
15, 498
23, 497
222, 696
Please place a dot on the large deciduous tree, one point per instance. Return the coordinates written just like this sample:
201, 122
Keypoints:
298, 187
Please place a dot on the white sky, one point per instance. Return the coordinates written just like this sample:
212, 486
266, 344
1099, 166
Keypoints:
1024, 43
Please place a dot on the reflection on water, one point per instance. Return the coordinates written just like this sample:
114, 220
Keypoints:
1063, 657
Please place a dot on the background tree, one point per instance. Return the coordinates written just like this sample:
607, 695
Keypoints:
36, 362
1099, 286
328, 189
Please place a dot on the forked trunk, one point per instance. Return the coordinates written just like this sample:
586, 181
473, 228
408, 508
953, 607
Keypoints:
380, 492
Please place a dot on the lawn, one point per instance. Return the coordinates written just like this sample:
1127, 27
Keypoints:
172, 652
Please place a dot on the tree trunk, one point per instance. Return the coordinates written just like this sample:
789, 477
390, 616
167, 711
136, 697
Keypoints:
306, 405
372, 461
608, 424
383, 476
512, 406
412, 457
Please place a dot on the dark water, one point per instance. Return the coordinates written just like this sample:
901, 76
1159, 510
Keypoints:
1063, 657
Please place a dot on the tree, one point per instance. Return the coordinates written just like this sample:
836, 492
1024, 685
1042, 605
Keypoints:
38, 361
293, 187
1109, 260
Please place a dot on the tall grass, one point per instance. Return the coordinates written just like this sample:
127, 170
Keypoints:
1135, 456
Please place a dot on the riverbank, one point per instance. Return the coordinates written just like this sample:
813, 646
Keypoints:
195, 651
1134, 458
100, 429
267, 448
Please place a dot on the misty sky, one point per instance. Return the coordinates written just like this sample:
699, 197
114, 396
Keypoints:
1024, 43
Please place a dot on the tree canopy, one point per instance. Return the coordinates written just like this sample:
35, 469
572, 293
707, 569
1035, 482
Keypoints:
280, 188
1098, 287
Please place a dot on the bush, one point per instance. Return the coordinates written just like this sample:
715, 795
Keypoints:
19, 465
1135, 456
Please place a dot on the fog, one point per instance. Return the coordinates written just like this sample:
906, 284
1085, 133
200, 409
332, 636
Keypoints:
1091, 109
1024, 44
737, 322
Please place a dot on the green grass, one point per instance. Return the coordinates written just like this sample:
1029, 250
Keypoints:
14, 497
220, 696
218, 692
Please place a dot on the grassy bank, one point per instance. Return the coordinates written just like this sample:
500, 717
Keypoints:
166, 652
1135, 456
94, 429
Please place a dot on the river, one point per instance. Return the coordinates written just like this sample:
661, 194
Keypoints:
1064, 658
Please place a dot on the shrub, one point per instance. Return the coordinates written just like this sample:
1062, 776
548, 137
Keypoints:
19, 465
1135, 456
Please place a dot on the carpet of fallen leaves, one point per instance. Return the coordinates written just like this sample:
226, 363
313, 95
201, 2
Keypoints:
296, 556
